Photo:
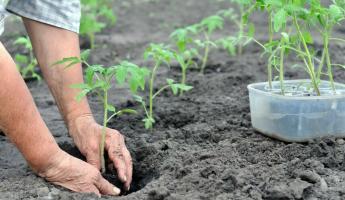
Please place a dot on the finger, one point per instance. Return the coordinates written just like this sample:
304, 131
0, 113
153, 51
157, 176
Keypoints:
129, 167
94, 190
107, 188
116, 156
114, 147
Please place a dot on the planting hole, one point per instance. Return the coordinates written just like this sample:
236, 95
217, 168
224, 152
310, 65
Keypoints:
142, 175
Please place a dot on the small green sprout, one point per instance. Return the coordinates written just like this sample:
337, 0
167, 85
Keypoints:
160, 54
245, 30
207, 26
100, 79
96, 14
184, 38
26, 64
184, 53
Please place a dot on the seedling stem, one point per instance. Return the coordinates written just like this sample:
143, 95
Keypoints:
309, 63
207, 49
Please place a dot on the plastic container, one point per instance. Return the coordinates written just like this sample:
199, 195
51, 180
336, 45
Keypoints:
299, 115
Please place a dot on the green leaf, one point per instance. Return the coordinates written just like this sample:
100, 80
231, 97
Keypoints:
108, 13
212, 23
251, 30
85, 55
183, 87
21, 58
89, 76
148, 122
82, 94
138, 98
279, 20
121, 74
25, 41
172, 86
308, 37
127, 111
111, 108
285, 37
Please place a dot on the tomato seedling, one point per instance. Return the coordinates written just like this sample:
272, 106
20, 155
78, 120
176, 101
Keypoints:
184, 53
303, 15
206, 27
99, 80
96, 14
160, 54
26, 64
245, 31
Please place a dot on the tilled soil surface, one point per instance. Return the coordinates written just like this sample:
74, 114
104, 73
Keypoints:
203, 145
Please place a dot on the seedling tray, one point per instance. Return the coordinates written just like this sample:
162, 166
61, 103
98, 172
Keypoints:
299, 115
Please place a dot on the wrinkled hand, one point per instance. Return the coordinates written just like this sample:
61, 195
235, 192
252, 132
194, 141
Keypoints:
86, 134
77, 175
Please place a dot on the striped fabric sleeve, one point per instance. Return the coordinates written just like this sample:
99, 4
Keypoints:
60, 13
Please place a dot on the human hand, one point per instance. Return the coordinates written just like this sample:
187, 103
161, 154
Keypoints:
76, 175
86, 134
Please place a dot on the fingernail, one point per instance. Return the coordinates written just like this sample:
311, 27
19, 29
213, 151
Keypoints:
116, 191
129, 187
124, 178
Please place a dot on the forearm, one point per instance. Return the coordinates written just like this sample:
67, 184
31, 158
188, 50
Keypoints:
50, 45
20, 119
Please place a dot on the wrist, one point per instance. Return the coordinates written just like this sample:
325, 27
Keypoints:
77, 123
55, 160
44, 159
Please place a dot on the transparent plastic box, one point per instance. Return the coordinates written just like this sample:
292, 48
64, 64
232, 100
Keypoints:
299, 115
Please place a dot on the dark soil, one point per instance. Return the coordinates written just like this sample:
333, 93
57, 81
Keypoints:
203, 145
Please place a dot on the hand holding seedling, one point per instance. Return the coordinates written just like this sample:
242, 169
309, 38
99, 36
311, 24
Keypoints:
23, 125
87, 135
82, 176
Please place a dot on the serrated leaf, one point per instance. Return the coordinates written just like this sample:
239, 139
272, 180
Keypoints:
148, 122
336, 12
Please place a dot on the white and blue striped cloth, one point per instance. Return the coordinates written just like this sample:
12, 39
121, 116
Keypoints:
60, 13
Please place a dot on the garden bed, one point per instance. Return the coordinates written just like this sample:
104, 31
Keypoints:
203, 145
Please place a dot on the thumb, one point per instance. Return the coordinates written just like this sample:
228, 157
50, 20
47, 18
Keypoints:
107, 188
94, 160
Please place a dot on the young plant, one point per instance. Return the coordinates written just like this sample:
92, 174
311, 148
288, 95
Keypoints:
327, 18
99, 80
160, 54
245, 31
304, 15
26, 64
206, 27
96, 15
184, 53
